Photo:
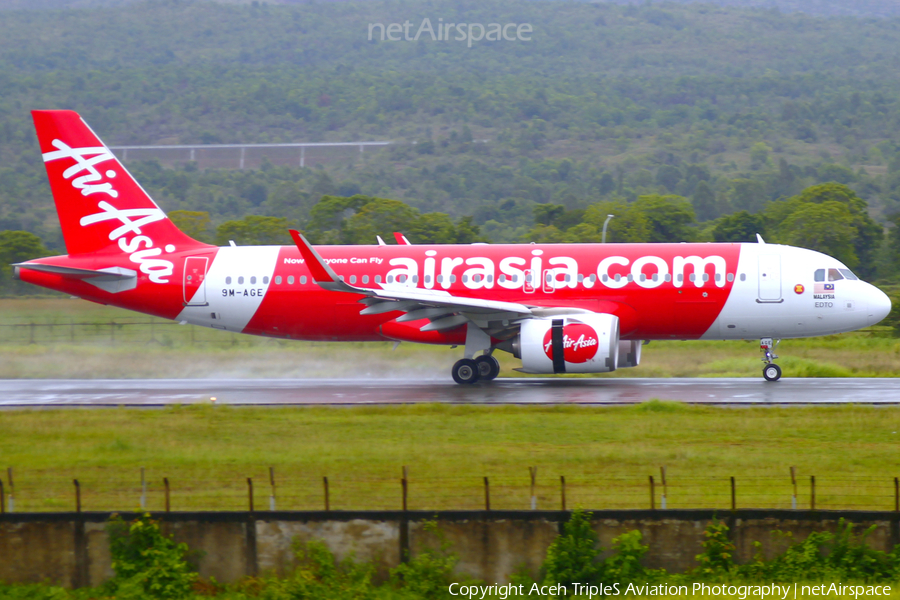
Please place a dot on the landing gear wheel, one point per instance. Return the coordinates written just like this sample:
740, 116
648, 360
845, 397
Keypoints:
772, 372
488, 367
465, 371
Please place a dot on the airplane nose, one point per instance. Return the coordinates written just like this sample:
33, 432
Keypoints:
879, 306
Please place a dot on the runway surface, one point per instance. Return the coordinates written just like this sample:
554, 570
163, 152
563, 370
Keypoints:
286, 392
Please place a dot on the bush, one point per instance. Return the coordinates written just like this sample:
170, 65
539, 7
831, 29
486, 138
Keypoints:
147, 563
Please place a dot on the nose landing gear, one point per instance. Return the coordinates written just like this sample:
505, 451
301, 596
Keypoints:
771, 371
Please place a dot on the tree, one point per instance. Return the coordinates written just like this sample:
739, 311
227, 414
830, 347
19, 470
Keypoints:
15, 247
254, 230
826, 227
431, 228
193, 223
739, 227
668, 177
759, 155
865, 234
748, 194
670, 217
379, 217
705, 202
628, 225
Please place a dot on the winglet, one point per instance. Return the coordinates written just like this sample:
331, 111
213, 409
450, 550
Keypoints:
759, 239
401, 239
318, 268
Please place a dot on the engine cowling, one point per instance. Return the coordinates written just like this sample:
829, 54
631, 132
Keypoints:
629, 353
577, 343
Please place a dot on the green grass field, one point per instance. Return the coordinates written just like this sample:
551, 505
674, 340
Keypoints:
74, 338
605, 454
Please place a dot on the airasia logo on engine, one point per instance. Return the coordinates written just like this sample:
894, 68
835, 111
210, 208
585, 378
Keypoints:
579, 343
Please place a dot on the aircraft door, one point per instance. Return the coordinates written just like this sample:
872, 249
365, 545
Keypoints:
195, 281
770, 278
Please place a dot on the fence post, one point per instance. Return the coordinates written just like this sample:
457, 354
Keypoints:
533, 472
652, 494
77, 496
72, 330
12, 490
896, 494
250, 492
168, 504
404, 484
2, 499
562, 490
143, 490
272, 484
812, 492
487, 494
112, 333
794, 483
327, 499
733, 499
665, 493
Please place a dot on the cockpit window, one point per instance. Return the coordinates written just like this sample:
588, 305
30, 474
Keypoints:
847, 273
820, 274
834, 275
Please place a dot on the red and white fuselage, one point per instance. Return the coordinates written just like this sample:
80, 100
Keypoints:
123, 251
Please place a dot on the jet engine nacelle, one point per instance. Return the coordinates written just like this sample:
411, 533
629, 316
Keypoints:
578, 343
629, 353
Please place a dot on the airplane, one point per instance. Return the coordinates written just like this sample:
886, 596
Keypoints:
560, 308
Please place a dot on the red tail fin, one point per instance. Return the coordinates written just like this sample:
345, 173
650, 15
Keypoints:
100, 205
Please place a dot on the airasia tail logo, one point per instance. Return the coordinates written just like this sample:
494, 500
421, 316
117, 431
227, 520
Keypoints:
580, 343
141, 248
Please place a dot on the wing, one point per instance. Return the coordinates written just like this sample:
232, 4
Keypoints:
442, 309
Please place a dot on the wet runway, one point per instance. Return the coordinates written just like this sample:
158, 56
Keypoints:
286, 392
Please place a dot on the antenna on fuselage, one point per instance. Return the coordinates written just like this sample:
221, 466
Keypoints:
759, 239
380, 241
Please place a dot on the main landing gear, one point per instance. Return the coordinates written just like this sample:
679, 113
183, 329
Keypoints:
771, 371
483, 368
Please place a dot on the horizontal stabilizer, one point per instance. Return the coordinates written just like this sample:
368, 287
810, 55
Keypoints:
111, 279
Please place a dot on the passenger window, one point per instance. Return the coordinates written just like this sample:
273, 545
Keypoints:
290, 280
502, 278
453, 279
365, 279
378, 279
228, 281
278, 279
849, 274
820, 275
240, 280
266, 279
730, 277
390, 279
253, 280
353, 279
302, 280
743, 277
440, 279
706, 277
428, 279
834, 275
